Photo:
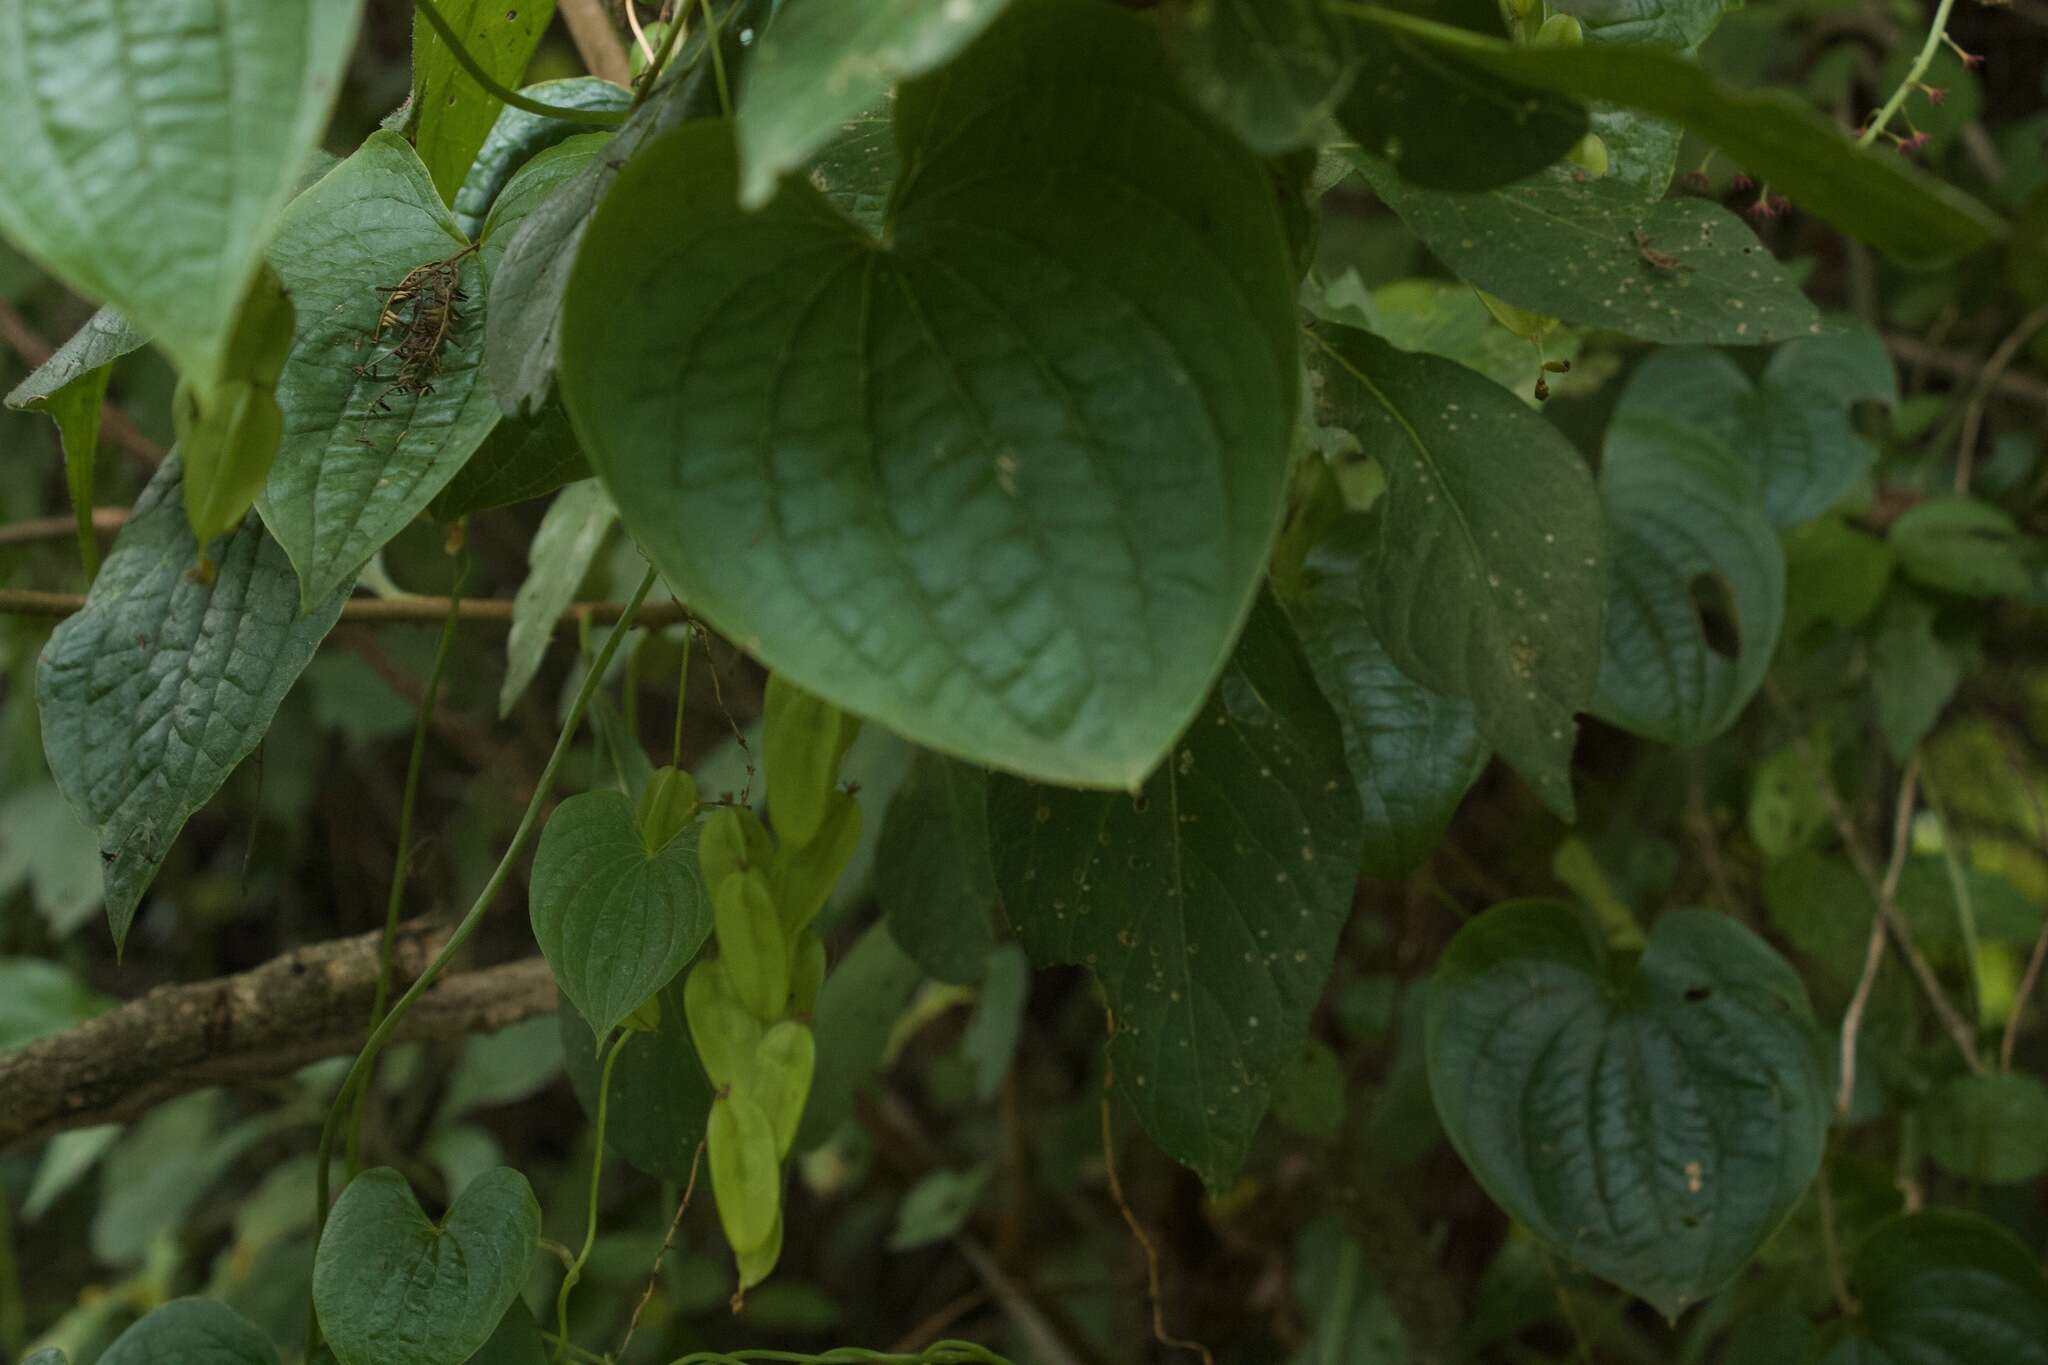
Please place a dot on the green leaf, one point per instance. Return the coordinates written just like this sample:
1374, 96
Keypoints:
452, 114
1208, 904
104, 339
1697, 592
70, 387
361, 457
990, 1040
1447, 318
1308, 1095
859, 1006
1653, 1121
1271, 71
516, 1342
230, 434
932, 872
190, 1332
155, 190
1959, 545
858, 167
1051, 559
1988, 1129
154, 692
522, 458
392, 1288
518, 136
1944, 1288
937, 1207
1595, 253
1479, 584
570, 535
1791, 426
660, 1097
40, 998
1348, 1316
1912, 676
1680, 24
1774, 135
615, 921
821, 62
49, 850
1834, 573
1412, 752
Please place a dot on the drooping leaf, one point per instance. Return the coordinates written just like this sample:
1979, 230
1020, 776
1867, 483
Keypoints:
616, 920
1207, 904
518, 136
1596, 253
392, 1288
1412, 752
1051, 561
1774, 135
1912, 675
157, 192
932, 872
1960, 545
820, 63
154, 692
1348, 1316
229, 434
1272, 71
104, 339
452, 114
863, 996
70, 387
1696, 596
660, 1096
1486, 570
990, 1041
1991, 1128
1791, 425
191, 1332
936, 1207
1654, 1122
570, 535
362, 455
1944, 1288
522, 458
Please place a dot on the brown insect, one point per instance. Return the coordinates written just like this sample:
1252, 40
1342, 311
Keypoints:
418, 316
1655, 259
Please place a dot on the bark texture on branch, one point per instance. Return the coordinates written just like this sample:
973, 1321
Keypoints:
309, 1004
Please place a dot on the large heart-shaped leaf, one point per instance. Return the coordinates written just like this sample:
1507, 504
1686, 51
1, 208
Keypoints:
1944, 1288
392, 1288
155, 189
1004, 480
615, 919
1698, 589
190, 1332
1208, 904
1486, 572
362, 454
154, 692
1654, 1121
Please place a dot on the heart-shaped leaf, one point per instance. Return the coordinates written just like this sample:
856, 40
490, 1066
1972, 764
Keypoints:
615, 920
188, 1332
1654, 1122
1944, 1288
1043, 424
660, 1096
392, 1288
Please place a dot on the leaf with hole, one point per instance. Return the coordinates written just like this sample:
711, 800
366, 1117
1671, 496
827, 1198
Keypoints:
1051, 559
1653, 1120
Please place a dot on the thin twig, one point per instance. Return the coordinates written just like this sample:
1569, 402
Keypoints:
654, 1273
105, 521
1886, 892
491, 611
1831, 1248
1913, 76
1980, 393
1962, 364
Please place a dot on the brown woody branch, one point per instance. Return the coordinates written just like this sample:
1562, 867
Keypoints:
309, 1004
491, 611
597, 39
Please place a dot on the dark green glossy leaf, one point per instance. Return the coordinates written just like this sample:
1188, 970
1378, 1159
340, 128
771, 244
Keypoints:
932, 873
154, 692
1208, 904
392, 1288
189, 1332
821, 63
1960, 545
518, 136
451, 114
1655, 1121
564, 547
1791, 425
615, 920
1696, 596
1050, 560
857, 169
154, 188
1485, 574
990, 1041
1944, 1288
522, 458
360, 456
516, 1342
1412, 752
1988, 1129
660, 1096
864, 994
1594, 252
1272, 71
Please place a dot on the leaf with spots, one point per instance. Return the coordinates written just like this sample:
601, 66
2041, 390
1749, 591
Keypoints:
1594, 253
1208, 904
1486, 570
1652, 1119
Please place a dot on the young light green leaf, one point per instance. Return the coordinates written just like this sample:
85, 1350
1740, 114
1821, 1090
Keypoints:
1959, 545
1208, 904
1944, 1288
519, 135
190, 1332
746, 1176
1989, 1129
452, 115
803, 737
821, 63
780, 1079
392, 1288
154, 692
615, 922
932, 872
156, 194
229, 434
1485, 577
1271, 72
1697, 592
362, 455
660, 1096
936, 1207
746, 381
1412, 752
1667, 1115
751, 945
571, 533
723, 1029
